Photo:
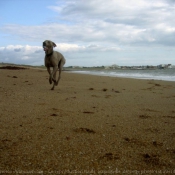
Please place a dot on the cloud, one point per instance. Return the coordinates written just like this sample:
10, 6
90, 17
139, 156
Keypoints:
34, 54
17, 50
20, 54
97, 29
118, 22
65, 47
89, 55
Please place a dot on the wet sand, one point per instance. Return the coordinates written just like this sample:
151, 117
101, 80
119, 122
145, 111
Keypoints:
87, 125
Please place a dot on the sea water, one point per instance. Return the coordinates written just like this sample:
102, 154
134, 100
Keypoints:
155, 74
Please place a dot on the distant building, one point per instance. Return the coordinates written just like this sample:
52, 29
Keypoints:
76, 67
107, 67
161, 66
114, 66
169, 66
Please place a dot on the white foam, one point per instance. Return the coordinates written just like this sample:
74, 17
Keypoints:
136, 74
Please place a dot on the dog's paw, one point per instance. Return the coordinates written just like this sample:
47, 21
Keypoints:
54, 80
56, 83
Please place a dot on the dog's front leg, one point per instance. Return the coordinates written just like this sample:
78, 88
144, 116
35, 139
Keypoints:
53, 76
50, 77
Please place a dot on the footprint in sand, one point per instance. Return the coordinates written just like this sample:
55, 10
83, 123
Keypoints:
95, 96
152, 159
116, 91
144, 116
110, 156
84, 130
54, 115
14, 77
156, 144
134, 141
170, 116
88, 112
157, 84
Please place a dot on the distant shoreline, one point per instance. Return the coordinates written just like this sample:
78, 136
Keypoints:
78, 68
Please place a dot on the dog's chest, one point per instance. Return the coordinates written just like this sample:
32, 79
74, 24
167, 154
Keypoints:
49, 62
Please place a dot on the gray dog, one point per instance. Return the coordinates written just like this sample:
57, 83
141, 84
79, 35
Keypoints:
53, 59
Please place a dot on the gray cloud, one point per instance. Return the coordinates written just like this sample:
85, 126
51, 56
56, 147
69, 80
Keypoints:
17, 50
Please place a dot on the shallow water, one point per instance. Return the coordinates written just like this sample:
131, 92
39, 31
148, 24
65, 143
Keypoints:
156, 74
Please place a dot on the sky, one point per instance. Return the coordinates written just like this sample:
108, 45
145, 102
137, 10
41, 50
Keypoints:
89, 33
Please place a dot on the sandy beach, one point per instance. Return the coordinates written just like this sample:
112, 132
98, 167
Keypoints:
87, 125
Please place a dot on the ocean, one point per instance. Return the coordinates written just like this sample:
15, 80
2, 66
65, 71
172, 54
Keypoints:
153, 74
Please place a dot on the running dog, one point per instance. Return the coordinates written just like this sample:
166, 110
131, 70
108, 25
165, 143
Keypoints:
53, 59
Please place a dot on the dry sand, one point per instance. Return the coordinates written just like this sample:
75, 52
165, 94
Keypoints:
87, 125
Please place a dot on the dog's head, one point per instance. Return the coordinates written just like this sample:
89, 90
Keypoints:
48, 46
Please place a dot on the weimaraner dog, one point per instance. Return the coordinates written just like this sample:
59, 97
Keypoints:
53, 59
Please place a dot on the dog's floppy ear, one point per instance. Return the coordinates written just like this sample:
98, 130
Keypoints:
54, 45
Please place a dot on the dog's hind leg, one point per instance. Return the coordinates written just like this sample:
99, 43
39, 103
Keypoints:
60, 66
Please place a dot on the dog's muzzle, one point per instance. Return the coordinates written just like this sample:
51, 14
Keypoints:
45, 48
